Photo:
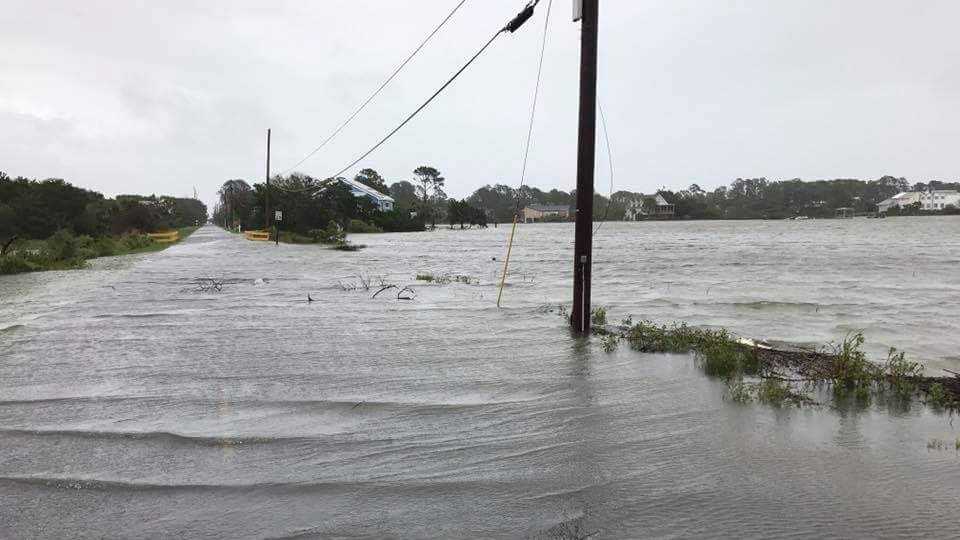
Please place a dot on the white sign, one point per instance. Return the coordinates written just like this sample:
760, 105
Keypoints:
278, 215
577, 10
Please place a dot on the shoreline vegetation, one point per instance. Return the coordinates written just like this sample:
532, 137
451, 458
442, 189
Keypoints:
65, 251
421, 203
54, 225
332, 236
782, 375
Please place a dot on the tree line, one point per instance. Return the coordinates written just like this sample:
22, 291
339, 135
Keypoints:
750, 198
36, 209
310, 204
421, 201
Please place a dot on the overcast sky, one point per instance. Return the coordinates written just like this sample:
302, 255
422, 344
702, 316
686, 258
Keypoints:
163, 96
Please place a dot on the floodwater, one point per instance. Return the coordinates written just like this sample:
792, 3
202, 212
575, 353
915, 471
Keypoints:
133, 404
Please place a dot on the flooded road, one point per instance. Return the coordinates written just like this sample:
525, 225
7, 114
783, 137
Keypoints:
134, 404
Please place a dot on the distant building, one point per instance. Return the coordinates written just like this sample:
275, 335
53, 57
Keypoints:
383, 202
936, 199
545, 212
647, 206
845, 212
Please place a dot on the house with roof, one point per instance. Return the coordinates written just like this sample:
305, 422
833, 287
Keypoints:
545, 212
935, 199
939, 199
648, 206
382, 201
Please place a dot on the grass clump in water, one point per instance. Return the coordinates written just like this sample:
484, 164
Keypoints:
347, 246
937, 395
739, 391
778, 393
598, 317
610, 342
901, 374
935, 444
447, 278
851, 371
719, 353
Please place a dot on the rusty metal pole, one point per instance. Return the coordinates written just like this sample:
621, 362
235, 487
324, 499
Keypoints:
586, 155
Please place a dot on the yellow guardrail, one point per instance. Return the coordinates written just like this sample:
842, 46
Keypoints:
258, 236
165, 237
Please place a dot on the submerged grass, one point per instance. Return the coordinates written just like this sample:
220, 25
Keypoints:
739, 391
937, 395
717, 351
844, 366
446, 278
598, 316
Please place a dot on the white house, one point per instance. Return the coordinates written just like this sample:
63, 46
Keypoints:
936, 199
383, 202
648, 205
904, 198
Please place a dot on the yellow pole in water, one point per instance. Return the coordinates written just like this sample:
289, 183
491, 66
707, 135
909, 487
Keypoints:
507, 260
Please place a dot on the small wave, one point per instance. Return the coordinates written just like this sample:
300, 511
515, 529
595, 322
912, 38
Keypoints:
205, 440
60, 399
11, 328
769, 305
116, 485
142, 315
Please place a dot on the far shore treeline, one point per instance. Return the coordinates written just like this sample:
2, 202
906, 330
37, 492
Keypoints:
52, 224
307, 208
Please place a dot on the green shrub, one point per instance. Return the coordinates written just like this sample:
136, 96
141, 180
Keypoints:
359, 226
105, 246
133, 242
62, 245
15, 264
332, 234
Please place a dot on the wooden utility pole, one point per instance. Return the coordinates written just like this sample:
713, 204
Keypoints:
586, 153
266, 217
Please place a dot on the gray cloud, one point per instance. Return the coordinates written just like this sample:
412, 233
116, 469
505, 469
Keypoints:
125, 96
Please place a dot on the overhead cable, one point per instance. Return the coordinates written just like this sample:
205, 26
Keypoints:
378, 90
526, 150
511, 26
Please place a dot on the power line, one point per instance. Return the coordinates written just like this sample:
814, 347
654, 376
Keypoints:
526, 153
533, 108
378, 90
511, 26
606, 137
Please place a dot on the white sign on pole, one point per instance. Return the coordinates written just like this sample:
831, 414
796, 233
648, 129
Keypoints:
278, 215
577, 10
